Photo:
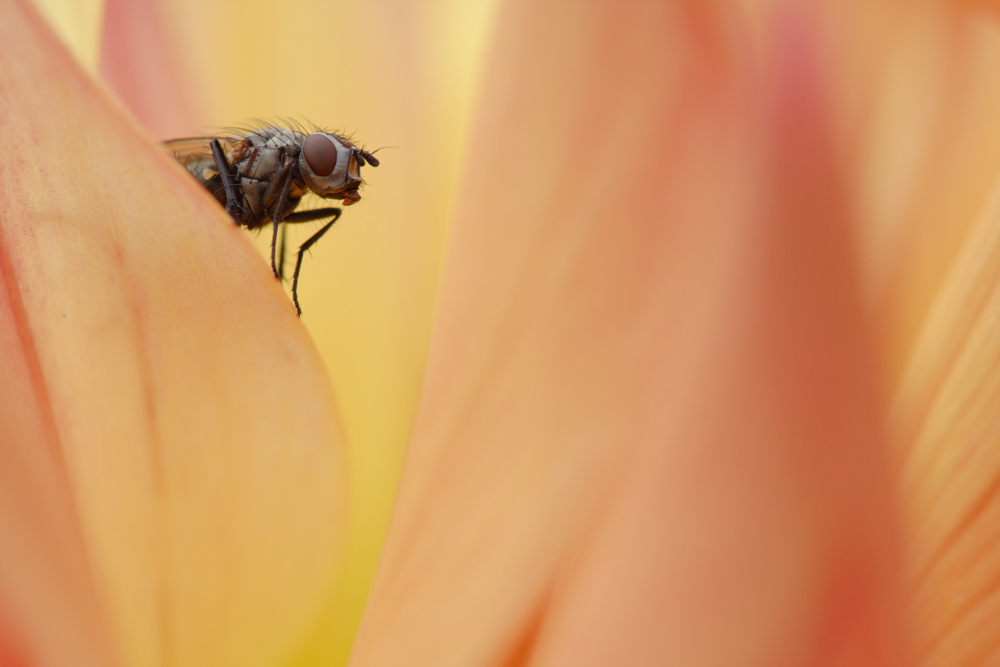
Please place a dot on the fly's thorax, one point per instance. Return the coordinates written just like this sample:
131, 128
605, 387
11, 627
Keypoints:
263, 152
257, 159
276, 137
330, 167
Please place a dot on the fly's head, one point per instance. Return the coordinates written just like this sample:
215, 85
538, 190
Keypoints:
331, 166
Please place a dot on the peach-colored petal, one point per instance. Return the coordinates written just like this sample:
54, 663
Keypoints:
176, 404
650, 433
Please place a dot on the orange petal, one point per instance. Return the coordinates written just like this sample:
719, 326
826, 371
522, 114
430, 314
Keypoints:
932, 153
947, 427
937, 161
151, 353
651, 430
49, 610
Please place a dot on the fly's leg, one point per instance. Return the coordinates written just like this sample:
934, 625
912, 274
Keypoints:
284, 177
298, 263
281, 252
274, 244
228, 175
305, 216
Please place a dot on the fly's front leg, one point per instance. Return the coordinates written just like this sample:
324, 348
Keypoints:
228, 175
306, 216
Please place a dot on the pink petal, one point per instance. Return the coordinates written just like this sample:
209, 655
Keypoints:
143, 61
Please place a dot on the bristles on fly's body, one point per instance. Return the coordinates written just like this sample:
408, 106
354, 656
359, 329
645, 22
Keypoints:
303, 127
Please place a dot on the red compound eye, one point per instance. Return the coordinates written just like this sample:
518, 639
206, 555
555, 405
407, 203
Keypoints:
321, 154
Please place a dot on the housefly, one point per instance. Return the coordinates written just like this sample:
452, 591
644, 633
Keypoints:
261, 176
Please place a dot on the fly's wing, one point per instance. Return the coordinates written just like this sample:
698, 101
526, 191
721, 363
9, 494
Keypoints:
193, 149
195, 153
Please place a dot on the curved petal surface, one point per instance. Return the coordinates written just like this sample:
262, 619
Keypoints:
170, 404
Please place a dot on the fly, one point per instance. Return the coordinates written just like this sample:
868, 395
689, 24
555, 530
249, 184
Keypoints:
261, 176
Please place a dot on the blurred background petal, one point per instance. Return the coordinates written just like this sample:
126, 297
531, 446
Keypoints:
169, 404
931, 147
143, 59
650, 432
932, 212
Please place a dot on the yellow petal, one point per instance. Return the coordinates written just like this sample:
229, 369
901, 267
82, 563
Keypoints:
78, 23
165, 367
650, 432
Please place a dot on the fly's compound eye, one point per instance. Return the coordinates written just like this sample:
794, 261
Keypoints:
321, 154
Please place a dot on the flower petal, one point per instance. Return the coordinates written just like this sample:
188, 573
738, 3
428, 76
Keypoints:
947, 427
934, 150
935, 170
158, 358
144, 64
78, 23
651, 429
49, 611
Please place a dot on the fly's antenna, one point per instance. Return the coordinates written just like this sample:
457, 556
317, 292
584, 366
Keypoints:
369, 156
364, 156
